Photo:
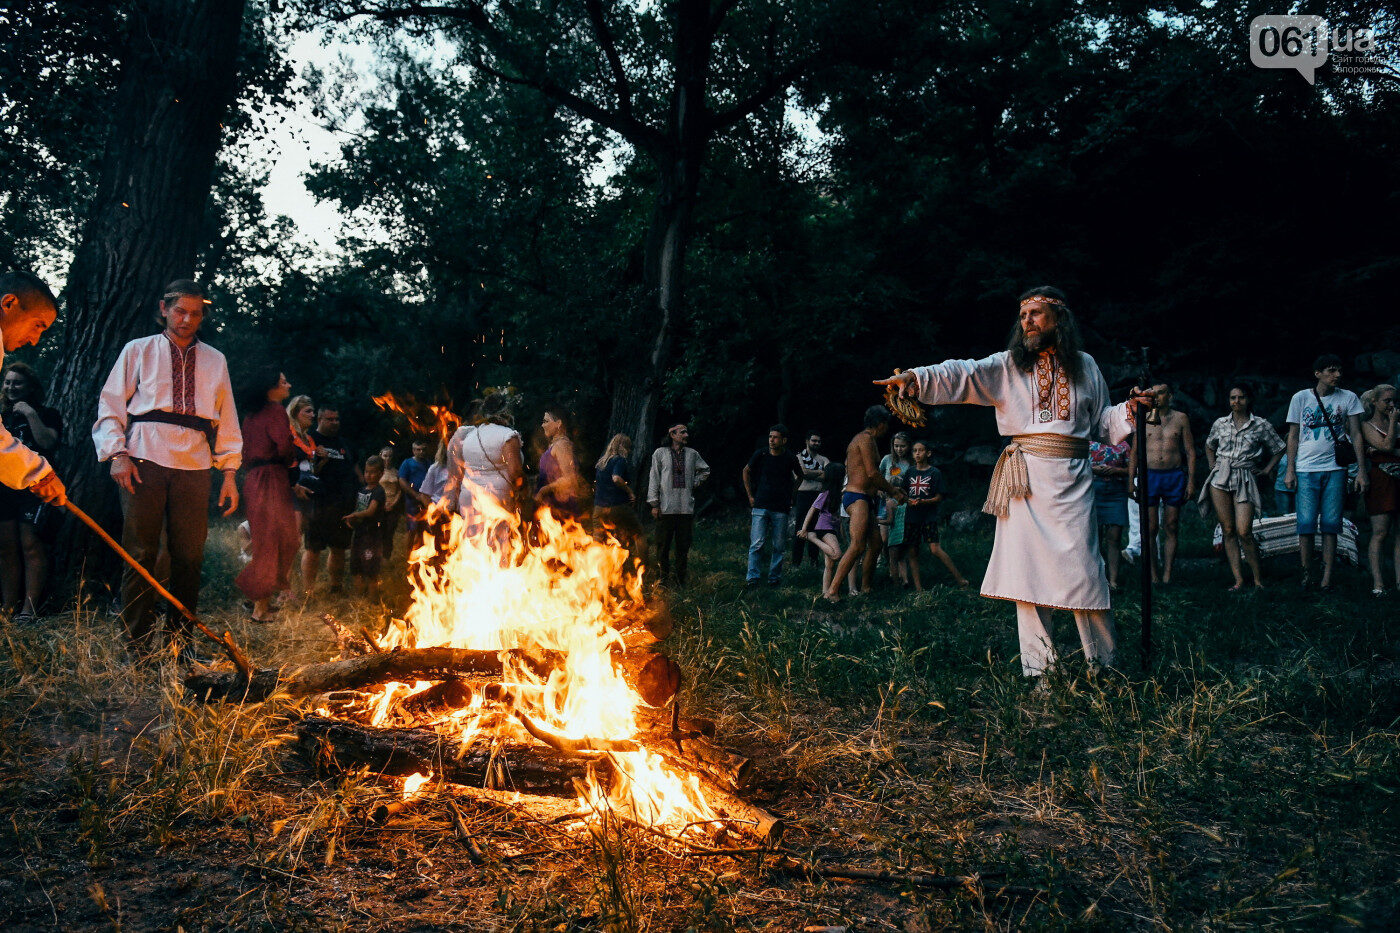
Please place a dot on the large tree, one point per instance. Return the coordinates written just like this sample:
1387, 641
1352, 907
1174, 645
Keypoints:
665, 80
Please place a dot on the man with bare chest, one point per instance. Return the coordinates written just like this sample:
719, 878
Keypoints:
1171, 473
863, 478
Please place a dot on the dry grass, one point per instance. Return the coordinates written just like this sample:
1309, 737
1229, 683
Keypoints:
1249, 779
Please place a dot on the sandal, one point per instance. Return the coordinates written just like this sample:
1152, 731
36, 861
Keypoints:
1236, 588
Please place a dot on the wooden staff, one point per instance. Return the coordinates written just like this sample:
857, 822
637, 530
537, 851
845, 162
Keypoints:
235, 653
1145, 571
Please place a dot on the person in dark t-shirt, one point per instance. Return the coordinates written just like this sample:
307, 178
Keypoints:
770, 477
339, 479
24, 563
924, 487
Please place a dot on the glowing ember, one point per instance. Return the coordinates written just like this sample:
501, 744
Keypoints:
413, 783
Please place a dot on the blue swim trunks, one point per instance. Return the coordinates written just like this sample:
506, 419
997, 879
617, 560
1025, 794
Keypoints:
1166, 486
848, 498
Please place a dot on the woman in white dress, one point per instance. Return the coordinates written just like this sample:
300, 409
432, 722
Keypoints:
484, 459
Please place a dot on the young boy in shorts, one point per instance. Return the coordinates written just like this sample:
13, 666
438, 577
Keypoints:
924, 486
367, 541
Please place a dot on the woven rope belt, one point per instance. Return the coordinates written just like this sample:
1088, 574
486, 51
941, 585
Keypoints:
1010, 479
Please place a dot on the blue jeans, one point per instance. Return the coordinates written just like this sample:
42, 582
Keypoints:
1320, 497
767, 525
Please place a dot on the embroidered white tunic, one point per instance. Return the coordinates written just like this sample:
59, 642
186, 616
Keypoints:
1047, 547
153, 374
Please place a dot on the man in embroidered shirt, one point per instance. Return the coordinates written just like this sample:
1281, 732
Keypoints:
676, 470
27, 309
167, 400
1050, 399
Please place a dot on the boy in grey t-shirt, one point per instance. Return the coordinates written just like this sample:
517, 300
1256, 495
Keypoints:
1317, 419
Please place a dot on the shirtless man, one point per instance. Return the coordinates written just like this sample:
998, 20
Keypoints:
1169, 484
863, 478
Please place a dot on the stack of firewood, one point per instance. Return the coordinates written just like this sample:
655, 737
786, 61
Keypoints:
534, 758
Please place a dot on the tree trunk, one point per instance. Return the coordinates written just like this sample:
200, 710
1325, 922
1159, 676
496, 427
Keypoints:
636, 401
637, 396
178, 81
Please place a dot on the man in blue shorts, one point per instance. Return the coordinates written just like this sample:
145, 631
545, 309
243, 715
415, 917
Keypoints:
1319, 418
1171, 474
863, 478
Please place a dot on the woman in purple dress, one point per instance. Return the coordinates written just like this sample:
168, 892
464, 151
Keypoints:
559, 488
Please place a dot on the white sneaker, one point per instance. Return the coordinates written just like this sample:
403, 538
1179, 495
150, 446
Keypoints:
1128, 556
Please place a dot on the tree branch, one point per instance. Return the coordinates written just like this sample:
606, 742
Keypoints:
529, 74
721, 10
772, 86
605, 39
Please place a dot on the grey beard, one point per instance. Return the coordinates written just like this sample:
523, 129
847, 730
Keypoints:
1038, 343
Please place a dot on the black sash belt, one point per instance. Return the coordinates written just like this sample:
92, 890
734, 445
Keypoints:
202, 425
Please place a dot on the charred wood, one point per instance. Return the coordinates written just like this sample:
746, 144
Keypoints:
337, 745
655, 677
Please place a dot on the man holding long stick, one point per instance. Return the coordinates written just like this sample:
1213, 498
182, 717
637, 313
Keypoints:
166, 403
1050, 399
27, 309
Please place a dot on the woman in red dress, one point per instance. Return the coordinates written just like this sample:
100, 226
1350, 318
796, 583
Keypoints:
268, 451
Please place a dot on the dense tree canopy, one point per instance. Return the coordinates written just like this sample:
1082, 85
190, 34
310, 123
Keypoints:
870, 186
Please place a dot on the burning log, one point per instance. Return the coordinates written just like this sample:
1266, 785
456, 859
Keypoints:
442, 697
691, 752
644, 627
655, 677
341, 745
402, 664
752, 821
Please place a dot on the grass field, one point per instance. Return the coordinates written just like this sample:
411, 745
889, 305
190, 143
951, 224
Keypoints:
1250, 778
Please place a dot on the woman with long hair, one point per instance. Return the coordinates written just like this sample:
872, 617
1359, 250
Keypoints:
559, 487
301, 412
614, 500
484, 459
891, 516
268, 453
24, 562
1240, 448
1383, 493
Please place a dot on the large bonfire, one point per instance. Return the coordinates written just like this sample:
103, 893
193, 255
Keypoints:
523, 663
546, 591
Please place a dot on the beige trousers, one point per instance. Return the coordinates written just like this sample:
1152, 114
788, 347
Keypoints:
1096, 634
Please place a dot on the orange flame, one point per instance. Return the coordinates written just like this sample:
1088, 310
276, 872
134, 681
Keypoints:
550, 591
423, 418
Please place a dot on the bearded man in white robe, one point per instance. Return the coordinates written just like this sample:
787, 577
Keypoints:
1050, 401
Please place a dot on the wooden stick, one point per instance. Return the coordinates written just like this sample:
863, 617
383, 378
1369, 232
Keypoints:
802, 868
235, 653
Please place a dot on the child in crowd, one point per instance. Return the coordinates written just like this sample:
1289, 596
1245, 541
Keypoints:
367, 543
923, 484
393, 500
891, 514
824, 518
